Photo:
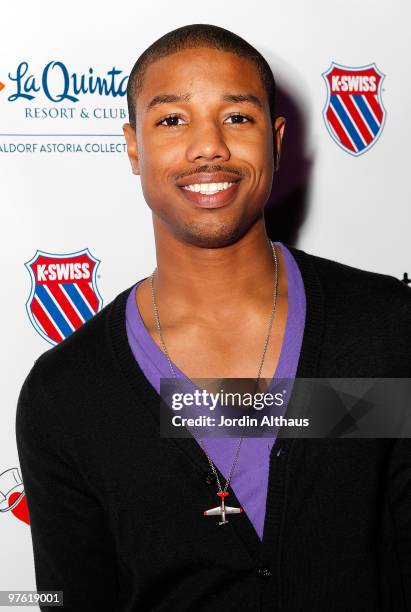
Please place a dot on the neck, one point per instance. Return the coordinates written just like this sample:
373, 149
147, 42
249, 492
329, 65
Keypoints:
214, 282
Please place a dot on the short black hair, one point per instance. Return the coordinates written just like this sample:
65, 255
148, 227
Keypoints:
189, 37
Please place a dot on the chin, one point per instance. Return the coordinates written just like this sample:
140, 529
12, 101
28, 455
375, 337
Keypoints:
202, 235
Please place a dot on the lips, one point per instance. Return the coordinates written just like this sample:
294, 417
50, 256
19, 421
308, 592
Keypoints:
221, 186
208, 177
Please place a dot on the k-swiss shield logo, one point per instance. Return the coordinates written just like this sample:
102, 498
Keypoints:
64, 293
354, 113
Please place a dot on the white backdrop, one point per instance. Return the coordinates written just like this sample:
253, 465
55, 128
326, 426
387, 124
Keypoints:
62, 202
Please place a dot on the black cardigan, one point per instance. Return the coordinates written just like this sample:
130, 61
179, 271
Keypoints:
116, 511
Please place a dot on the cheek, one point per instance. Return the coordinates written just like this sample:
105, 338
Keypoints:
265, 149
156, 167
158, 158
256, 149
266, 160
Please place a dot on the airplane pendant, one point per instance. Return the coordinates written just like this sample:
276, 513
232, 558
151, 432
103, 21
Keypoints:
223, 509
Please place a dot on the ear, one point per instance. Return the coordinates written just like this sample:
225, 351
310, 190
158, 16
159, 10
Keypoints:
278, 127
132, 151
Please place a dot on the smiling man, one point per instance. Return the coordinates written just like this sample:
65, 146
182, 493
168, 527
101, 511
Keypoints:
123, 519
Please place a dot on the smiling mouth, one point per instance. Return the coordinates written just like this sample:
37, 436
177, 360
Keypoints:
207, 188
210, 189
210, 195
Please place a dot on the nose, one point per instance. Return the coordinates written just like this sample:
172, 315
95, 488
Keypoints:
207, 143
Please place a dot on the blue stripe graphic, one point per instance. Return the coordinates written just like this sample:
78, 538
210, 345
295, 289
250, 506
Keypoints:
53, 311
359, 101
347, 122
78, 300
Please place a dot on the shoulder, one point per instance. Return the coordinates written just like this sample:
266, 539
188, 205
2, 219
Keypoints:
78, 364
339, 279
366, 317
358, 305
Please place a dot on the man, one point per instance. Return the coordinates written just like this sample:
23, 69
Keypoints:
117, 511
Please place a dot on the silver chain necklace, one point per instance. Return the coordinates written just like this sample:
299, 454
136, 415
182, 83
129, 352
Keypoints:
221, 510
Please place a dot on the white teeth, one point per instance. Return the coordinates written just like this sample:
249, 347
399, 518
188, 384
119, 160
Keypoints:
207, 188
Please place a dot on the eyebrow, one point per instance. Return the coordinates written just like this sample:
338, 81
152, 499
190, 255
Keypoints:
186, 97
250, 98
167, 99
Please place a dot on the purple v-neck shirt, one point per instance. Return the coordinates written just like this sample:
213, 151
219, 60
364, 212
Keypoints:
250, 478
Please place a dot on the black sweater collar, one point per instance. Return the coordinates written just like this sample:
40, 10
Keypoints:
312, 339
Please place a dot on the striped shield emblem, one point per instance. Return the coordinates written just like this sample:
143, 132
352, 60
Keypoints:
64, 293
354, 113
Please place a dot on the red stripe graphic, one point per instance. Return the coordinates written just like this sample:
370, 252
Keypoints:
44, 321
358, 121
338, 129
89, 294
65, 305
375, 107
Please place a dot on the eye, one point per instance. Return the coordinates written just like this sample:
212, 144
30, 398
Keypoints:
170, 121
239, 118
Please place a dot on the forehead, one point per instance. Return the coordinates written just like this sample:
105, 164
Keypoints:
202, 70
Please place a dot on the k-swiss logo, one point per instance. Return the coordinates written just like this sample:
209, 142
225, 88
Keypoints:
64, 293
354, 114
